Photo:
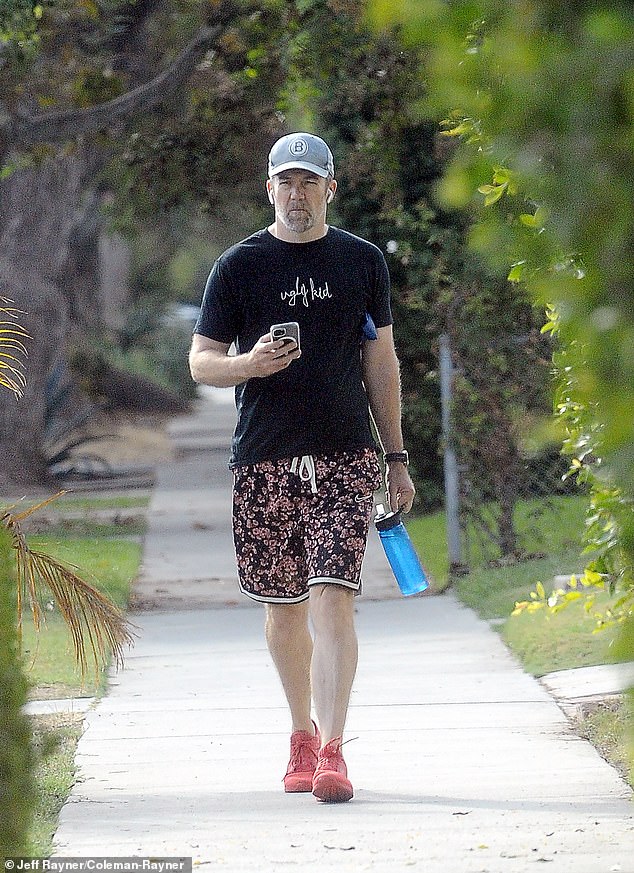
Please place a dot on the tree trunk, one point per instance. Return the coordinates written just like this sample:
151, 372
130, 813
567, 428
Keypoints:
114, 281
22, 422
42, 212
507, 535
505, 467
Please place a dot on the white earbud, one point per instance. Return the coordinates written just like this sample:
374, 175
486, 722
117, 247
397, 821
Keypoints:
329, 197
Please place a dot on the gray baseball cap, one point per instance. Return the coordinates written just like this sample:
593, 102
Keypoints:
301, 151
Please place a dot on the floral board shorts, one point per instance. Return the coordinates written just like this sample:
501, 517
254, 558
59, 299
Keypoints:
302, 521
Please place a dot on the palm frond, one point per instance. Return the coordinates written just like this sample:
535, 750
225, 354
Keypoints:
96, 625
10, 373
11, 336
20, 516
90, 616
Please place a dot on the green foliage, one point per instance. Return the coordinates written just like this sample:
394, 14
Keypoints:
32, 32
364, 92
544, 96
91, 87
547, 642
156, 350
573, 158
501, 387
16, 756
18, 28
185, 150
610, 510
201, 152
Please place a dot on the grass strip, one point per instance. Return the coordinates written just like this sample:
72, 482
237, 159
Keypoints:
55, 739
68, 502
605, 725
111, 565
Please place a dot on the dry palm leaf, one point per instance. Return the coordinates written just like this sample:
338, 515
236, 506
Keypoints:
94, 622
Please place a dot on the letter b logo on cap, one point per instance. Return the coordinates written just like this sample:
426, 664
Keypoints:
298, 147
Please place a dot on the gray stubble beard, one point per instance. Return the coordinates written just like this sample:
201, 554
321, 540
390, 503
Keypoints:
299, 225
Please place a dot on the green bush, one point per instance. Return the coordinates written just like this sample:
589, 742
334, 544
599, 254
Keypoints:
541, 98
16, 754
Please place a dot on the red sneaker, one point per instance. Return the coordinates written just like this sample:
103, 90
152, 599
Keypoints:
304, 750
330, 782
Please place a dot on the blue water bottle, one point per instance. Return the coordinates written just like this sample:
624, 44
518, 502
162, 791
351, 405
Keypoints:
400, 552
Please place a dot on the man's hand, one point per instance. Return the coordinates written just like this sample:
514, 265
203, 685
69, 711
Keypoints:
400, 488
211, 364
268, 357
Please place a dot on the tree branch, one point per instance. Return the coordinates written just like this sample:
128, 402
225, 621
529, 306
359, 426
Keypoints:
27, 131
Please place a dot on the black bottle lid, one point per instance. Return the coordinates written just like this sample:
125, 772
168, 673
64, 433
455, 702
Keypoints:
386, 520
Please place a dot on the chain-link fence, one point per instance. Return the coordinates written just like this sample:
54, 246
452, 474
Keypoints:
505, 478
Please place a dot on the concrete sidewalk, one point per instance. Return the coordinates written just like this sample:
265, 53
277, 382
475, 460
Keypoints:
463, 763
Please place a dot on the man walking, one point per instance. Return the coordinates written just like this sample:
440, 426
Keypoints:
304, 461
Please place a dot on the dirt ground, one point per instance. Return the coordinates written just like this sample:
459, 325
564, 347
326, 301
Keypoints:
137, 438
129, 438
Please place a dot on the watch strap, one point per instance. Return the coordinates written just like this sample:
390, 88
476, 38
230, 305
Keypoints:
401, 457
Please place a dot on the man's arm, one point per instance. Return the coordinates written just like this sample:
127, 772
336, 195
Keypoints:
210, 363
383, 386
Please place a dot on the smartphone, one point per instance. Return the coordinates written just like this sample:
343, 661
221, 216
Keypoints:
287, 332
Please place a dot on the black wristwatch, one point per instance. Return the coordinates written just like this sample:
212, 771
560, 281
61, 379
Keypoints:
401, 457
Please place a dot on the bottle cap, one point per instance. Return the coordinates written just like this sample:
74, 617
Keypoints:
386, 520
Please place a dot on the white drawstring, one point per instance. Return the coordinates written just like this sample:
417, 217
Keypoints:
305, 469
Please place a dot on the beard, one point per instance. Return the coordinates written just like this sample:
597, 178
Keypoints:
298, 220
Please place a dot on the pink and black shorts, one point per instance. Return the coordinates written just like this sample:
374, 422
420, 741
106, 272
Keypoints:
302, 521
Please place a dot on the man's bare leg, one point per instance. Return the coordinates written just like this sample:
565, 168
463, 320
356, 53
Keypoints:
335, 653
291, 647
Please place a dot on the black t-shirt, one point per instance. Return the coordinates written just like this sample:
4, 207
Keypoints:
318, 404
